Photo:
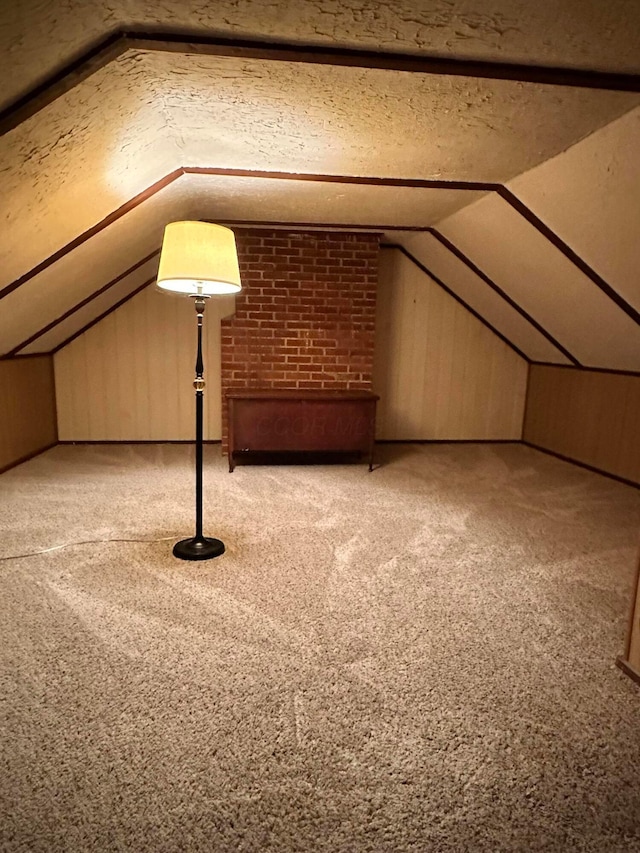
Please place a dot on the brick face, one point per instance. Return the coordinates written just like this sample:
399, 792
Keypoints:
305, 317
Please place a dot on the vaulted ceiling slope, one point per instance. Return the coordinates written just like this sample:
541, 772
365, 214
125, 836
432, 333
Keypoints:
519, 194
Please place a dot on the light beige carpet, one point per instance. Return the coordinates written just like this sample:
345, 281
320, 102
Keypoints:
417, 659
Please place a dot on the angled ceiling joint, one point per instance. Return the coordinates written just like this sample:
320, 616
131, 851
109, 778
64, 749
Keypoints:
168, 179
104, 314
520, 207
488, 281
82, 304
452, 293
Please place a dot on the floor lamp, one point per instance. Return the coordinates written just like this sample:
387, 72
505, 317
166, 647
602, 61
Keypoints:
198, 260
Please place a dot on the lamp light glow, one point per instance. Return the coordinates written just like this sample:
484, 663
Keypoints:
199, 258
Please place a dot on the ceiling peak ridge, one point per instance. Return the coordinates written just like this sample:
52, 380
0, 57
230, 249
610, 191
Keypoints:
170, 177
506, 194
333, 178
119, 41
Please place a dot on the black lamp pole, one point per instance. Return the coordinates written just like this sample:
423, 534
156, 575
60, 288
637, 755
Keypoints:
199, 547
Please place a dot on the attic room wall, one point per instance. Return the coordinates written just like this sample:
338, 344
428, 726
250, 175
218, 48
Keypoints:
130, 376
305, 318
440, 372
587, 416
588, 197
28, 406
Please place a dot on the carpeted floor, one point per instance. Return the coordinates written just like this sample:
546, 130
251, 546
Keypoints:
417, 659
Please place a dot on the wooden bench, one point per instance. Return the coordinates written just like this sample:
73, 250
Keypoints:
301, 421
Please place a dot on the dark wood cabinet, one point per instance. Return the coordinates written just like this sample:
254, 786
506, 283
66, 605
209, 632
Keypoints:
292, 420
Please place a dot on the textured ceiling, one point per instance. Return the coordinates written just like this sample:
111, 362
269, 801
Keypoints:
66, 168
81, 272
145, 113
365, 121
37, 36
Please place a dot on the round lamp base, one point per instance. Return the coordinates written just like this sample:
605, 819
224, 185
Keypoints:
203, 548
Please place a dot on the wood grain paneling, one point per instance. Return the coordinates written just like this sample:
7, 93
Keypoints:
591, 417
129, 377
28, 406
632, 651
547, 283
439, 371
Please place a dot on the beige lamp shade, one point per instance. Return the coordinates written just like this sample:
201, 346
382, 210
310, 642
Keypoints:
198, 258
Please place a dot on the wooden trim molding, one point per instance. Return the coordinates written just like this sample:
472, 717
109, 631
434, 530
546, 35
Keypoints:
317, 226
584, 367
448, 441
60, 82
142, 441
374, 181
587, 417
27, 457
458, 299
411, 63
361, 180
14, 352
628, 670
585, 465
119, 42
104, 314
112, 217
488, 281
162, 183
10, 357
568, 252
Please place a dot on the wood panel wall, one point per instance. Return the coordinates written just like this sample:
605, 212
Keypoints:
440, 372
587, 416
28, 406
632, 652
130, 377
